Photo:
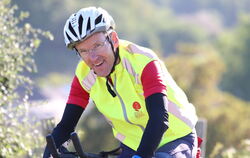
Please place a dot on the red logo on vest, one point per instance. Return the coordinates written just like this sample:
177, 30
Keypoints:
136, 106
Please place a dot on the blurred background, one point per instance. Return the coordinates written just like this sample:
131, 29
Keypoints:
205, 45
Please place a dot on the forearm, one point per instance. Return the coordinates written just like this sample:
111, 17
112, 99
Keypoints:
157, 124
70, 118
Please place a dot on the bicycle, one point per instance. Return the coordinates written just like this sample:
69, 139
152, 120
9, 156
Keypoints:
81, 154
78, 148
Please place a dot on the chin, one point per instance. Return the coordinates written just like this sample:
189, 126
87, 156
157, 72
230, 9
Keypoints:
102, 74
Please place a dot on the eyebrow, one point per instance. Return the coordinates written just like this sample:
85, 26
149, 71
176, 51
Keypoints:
92, 45
105, 36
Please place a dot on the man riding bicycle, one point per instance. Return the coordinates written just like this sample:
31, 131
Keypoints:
149, 114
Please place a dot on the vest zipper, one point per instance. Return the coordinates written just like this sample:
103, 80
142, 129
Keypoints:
123, 105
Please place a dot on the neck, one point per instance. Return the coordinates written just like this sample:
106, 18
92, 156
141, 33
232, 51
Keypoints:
116, 61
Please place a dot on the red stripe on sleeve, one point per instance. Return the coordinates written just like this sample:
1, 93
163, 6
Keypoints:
78, 95
152, 79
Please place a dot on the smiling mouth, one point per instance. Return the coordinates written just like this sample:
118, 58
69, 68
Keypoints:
99, 64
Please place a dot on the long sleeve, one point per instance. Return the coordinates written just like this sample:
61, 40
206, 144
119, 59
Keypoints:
70, 118
156, 126
61, 132
157, 107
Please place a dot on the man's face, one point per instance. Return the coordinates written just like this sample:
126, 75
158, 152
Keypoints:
97, 53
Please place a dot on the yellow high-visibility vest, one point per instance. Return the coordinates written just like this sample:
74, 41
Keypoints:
126, 112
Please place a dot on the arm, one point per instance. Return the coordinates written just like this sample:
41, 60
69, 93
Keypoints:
156, 126
70, 118
77, 102
156, 104
61, 132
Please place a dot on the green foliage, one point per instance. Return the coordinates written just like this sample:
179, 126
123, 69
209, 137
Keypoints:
227, 9
96, 134
159, 24
17, 45
243, 151
152, 25
235, 50
198, 69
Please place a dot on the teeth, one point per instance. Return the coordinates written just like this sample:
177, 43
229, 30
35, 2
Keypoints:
98, 64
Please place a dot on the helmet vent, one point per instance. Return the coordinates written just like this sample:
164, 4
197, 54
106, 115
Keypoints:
72, 30
80, 24
84, 23
68, 37
98, 19
88, 25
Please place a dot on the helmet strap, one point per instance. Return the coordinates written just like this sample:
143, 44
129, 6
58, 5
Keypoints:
116, 55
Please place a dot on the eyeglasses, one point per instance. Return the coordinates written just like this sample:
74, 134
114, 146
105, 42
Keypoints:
96, 48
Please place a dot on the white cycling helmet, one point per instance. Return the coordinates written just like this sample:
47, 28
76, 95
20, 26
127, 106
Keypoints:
85, 23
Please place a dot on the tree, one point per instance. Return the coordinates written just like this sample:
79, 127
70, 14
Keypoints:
198, 70
234, 47
17, 45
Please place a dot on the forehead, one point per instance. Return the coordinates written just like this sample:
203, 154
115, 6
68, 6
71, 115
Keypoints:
91, 40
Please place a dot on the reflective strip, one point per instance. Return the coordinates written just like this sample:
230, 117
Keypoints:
124, 108
133, 48
89, 80
184, 113
128, 66
120, 137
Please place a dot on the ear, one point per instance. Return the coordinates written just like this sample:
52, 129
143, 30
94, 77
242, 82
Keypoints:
115, 39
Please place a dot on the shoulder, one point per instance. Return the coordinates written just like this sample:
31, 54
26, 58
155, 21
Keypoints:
133, 48
133, 55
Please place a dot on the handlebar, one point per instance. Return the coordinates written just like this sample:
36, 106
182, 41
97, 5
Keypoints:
77, 145
52, 146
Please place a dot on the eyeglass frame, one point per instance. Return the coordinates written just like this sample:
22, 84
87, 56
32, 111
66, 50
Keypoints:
96, 48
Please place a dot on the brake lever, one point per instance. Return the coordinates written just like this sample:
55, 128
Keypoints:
79, 150
52, 146
77, 145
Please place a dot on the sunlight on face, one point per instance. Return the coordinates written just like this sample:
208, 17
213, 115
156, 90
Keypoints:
97, 53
